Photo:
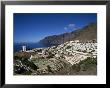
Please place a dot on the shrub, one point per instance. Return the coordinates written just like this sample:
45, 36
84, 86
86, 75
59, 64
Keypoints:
29, 64
76, 67
49, 69
68, 47
85, 64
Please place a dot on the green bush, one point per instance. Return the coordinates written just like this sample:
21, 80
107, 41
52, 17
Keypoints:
49, 69
89, 61
68, 47
76, 67
29, 64
85, 64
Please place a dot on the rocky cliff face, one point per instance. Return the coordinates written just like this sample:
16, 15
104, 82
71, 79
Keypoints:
87, 33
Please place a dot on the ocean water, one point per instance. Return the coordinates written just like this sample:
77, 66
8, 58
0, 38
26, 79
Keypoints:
29, 46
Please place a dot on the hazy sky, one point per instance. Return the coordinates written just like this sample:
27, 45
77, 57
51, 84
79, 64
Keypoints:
32, 27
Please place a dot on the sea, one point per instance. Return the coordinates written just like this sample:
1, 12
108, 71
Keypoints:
29, 46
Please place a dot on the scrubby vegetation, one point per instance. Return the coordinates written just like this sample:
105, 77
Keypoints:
88, 64
23, 66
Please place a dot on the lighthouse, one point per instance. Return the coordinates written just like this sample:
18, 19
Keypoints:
24, 48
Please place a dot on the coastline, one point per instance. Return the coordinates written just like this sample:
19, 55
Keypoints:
71, 52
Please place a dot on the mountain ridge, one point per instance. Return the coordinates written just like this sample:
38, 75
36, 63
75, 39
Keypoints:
84, 34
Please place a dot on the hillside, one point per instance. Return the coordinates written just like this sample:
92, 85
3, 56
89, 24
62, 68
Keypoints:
87, 33
70, 58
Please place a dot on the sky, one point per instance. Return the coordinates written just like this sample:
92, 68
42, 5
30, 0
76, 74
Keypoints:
32, 27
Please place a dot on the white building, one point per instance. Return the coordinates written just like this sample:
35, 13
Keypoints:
24, 48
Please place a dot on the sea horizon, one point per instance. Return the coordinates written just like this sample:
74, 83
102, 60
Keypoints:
29, 45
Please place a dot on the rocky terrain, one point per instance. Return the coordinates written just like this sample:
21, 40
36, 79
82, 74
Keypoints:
70, 58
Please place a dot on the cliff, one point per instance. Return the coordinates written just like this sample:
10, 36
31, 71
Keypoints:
87, 33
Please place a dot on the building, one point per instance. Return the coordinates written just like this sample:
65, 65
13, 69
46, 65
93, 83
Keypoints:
24, 48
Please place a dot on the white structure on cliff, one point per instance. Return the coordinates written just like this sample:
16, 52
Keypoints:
24, 48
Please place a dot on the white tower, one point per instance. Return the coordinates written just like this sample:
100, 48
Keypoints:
24, 48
